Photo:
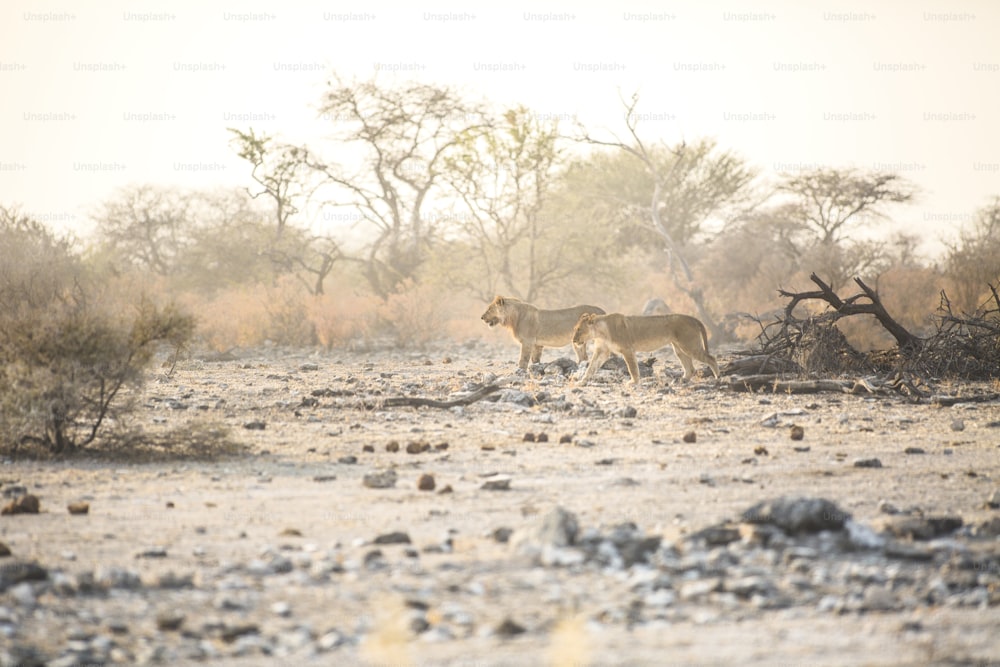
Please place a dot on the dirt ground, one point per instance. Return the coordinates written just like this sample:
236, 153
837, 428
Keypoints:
272, 556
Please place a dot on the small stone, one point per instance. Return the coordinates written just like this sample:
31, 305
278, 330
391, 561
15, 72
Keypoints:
958, 425
510, 628
542, 437
368, 449
4, 550
760, 450
565, 439
397, 537
79, 508
502, 535
426, 482
26, 504
867, 463
993, 502
445, 489
797, 432
282, 609
417, 447
914, 450
153, 552
231, 633
886, 507
385, 479
168, 621
496, 484
441, 446
324, 478
690, 436
255, 426
392, 446
290, 532
628, 412
348, 460
528, 437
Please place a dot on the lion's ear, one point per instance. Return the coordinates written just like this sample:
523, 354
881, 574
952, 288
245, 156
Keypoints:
499, 300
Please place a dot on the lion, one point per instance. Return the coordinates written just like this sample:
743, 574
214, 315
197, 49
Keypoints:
534, 327
628, 334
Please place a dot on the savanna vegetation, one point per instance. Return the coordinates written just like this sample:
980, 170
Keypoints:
415, 209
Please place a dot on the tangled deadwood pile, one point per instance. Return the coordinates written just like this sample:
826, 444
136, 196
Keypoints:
965, 347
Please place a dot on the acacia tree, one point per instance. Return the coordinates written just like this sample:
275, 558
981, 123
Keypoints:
502, 178
146, 226
972, 263
398, 139
830, 202
683, 187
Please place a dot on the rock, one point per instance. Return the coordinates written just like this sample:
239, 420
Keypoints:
715, 536
4, 550
445, 489
509, 628
26, 504
565, 439
502, 534
417, 447
690, 436
760, 450
867, 463
993, 502
18, 572
255, 426
350, 459
542, 437
324, 478
153, 552
231, 633
397, 537
556, 529
926, 528
392, 447
501, 483
78, 508
957, 425
797, 432
798, 515
384, 479
426, 482
628, 412
885, 507
914, 450
528, 437
169, 621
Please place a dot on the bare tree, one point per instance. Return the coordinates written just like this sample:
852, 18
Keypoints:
399, 137
689, 183
972, 263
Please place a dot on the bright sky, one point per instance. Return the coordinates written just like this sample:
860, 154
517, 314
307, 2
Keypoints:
98, 95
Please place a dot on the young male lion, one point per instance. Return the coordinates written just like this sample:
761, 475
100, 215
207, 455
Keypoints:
628, 334
534, 327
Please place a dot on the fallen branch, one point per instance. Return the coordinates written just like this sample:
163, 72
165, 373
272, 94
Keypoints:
778, 386
416, 401
948, 401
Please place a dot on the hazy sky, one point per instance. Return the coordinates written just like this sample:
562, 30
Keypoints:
97, 95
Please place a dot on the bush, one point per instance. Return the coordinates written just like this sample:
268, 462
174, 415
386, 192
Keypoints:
65, 356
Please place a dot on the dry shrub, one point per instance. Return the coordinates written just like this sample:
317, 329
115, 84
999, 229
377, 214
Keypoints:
249, 316
343, 320
414, 317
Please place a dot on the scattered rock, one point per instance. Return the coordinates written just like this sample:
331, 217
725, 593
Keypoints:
509, 628
445, 489
368, 449
993, 502
383, 479
18, 572
78, 508
26, 504
502, 534
497, 484
690, 436
4, 550
426, 482
348, 460
290, 532
255, 426
760, 450
914, 450
153, 552
542, 437
397, 537
324, 478
798, 515
417, 447
867, 463
169, 621
565, 439
231, 633
628, 412
797, 432
958, 425
924, 528
392, 447
528, 437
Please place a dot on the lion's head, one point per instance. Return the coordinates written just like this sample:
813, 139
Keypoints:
584, 329
496, 313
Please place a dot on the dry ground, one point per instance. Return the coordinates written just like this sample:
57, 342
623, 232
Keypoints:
279, 540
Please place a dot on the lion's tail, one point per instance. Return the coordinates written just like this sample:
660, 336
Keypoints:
704, 334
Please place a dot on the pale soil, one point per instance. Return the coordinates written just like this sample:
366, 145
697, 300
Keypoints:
228, 514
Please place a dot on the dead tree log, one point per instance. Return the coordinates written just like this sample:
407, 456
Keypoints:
417, 401
905, 341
